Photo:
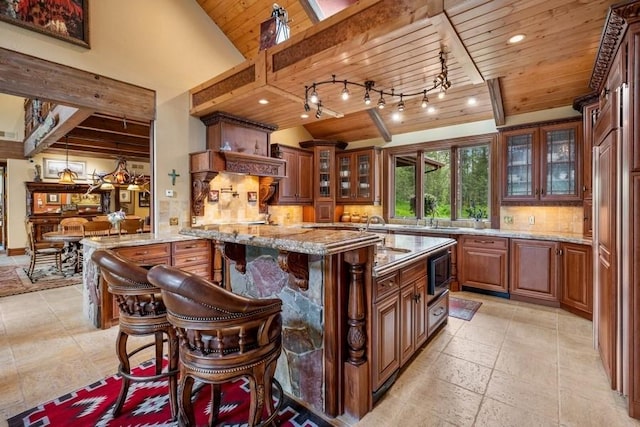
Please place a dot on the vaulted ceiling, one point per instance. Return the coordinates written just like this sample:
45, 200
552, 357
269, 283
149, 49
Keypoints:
396, 43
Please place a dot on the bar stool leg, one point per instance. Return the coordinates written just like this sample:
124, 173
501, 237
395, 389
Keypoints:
123, 358
172, 344
187, 418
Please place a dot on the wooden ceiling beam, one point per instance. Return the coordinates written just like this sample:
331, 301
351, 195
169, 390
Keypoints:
451, 39
495, 94
380, 125
116, 126
68, 118
108, 138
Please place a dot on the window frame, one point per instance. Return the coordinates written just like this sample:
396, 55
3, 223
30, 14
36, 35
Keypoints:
452, 144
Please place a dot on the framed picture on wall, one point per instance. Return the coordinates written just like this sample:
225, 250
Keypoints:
65, 20
144, 199
214, 196
125, 196
252, 196
53, 199
52, 167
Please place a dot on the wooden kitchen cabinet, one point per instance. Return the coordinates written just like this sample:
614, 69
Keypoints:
358, 178
413, 309
297, 187
576, 293
482, 263
323, 208
534, 270
194, 256
386, 325
542, 164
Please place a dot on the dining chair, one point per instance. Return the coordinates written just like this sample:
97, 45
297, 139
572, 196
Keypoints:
130, 226
100, 218
42, 252
73, 224
93, 229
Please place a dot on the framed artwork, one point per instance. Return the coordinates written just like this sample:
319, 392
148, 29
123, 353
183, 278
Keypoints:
214, 196
268, 33
53, 199
125, 196
144, 199
53, 166
66, 20
252, 196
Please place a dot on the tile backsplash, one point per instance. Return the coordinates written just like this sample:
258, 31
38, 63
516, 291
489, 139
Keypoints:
560, 219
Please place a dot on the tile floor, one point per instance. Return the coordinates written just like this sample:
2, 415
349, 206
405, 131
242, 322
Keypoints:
513, 364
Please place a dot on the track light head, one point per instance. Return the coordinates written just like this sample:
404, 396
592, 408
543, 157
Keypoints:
381, 102
345, 92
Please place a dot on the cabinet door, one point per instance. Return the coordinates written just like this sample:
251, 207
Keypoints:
407, 323
305, 179
420, 314
534, 269
483, 263
386, 339
345, 189
577, 282
520, 172
362, 176
324, 171
560, 161
288, 187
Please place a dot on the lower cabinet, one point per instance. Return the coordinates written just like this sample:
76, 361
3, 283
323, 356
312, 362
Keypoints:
482, 263
403, 319
534, 270
576, 294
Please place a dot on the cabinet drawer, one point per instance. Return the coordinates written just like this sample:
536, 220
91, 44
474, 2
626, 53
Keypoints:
201, 270
202, 258
438, 312
191, 246
147, 252
384, 286
413, 272
486, 242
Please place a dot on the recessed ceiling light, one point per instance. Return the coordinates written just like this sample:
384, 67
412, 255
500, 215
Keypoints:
517, 38
472, 101
304, 116
396, 116
431, 110
263, 101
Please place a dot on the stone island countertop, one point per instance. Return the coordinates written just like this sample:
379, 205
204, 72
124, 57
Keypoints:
305, 240
124, 240
399, 250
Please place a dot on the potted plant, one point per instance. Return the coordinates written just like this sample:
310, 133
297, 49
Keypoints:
477, 213
430, 205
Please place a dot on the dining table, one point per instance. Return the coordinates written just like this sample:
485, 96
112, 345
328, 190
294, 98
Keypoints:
72, 239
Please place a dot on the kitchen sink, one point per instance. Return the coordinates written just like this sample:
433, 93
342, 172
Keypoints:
442, 227
390, 250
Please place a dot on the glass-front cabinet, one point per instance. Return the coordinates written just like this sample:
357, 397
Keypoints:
542, 163
358, 179
325, 178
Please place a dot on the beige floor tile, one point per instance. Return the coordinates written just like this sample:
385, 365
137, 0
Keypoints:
531, 335
538, 367
498, 310
446, 401
497, 414
469, 375
470, 331
534, 398
575, 410
472, 351
570, 324
487, 321
453, 325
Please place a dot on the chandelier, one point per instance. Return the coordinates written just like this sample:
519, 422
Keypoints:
120, 177
66, 175
440, 82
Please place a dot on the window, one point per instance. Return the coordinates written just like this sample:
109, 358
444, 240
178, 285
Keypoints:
455, 177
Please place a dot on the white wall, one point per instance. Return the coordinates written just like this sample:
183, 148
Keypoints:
169, 46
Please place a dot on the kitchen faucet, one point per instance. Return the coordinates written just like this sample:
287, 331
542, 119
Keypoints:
377, 217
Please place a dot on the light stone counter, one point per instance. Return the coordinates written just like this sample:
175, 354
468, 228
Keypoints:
453, 231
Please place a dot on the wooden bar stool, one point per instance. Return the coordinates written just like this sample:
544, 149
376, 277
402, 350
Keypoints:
223, 337
142, 312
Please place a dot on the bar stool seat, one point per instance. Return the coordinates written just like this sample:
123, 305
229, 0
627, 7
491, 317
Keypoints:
142, 312
223, 337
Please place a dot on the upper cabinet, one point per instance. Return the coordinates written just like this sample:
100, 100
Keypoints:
358, 178
297, 187
542, 163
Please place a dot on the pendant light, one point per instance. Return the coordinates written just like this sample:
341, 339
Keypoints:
67, 176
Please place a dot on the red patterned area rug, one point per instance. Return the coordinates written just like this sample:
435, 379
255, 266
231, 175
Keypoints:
463, 308
147, 404
14, 280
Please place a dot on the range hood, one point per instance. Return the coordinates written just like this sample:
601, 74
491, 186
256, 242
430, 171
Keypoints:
251, 164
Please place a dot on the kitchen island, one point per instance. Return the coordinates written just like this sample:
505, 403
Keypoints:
326, 280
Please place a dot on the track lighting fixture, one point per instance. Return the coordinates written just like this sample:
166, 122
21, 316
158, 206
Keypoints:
440, 82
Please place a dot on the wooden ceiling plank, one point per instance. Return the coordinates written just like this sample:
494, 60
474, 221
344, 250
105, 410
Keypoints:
496, 101
452, 41
115, 126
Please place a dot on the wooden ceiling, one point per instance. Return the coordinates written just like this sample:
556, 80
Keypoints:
396, 44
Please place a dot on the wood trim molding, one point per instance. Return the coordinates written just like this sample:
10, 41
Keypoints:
297, 265
380, 125
496, 101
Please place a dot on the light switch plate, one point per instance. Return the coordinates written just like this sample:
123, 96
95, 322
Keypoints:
173, 221
168, 193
